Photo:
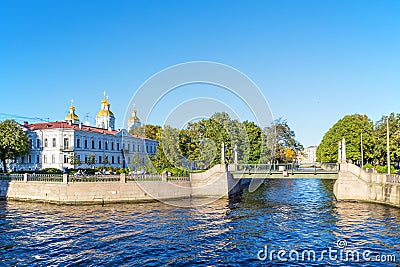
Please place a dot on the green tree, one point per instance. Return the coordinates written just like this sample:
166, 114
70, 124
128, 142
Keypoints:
281, 141
349, 127
380, 132
160, 160
106, 160
13, 141
91, 160
75, 160
255, 138
136, 162
148, 131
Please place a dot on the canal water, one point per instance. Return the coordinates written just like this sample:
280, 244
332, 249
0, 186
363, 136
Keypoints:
296, 217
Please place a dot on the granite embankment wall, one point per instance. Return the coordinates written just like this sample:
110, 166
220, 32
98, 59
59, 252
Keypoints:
216, 182
355, 183
100, 192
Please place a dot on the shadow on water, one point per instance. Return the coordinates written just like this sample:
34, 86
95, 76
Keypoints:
4, 185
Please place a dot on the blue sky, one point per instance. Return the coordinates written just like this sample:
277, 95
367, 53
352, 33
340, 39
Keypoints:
315, 61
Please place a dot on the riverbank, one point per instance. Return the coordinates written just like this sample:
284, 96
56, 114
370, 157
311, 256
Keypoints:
62, 189
356, 184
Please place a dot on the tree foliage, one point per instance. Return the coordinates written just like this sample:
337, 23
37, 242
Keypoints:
380, 132
200, 143
350, 127
148, 131
281, 141
13, 141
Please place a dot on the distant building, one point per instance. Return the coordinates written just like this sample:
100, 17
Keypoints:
133, 121
71, 144
309, 155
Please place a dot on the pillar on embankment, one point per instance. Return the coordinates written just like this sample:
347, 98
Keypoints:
357, 184
215, 182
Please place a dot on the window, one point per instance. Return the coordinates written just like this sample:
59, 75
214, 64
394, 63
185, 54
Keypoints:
78, 143
147, 148
133, 147
37, 143
112, 159
117, 146
100, 160
45, 142
54, 142
31, 143
37, 159
106, 145
85, 143
44, 159
112, 145
99, 144
92, 144
129, 147
30, 158
66, 159
53, 159
119, 160
66, 142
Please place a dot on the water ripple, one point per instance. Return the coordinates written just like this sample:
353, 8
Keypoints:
281, 214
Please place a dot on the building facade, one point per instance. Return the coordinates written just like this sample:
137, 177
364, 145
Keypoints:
309, 155
71, 144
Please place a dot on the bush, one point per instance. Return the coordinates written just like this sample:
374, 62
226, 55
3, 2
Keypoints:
50, 171
368, 166
178, 172
384, 169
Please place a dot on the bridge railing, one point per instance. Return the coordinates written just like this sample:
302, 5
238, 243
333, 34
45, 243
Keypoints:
11, 177
278, 168
93, 178
41, 177
392, 178
143, 177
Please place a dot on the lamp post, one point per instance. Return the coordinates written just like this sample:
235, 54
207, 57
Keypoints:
387, 145
362, 152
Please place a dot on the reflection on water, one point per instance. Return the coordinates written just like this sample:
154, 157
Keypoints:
281, 214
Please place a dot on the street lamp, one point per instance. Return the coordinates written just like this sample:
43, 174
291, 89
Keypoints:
387, 145
362, 151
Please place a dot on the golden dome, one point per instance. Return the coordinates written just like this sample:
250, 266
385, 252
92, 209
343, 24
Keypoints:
105, 108
134, 118
105, 112
71, 116
105, 102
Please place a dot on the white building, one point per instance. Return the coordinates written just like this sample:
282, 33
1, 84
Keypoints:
71, 144
309, 155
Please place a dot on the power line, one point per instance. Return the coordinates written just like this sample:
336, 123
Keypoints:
19, 118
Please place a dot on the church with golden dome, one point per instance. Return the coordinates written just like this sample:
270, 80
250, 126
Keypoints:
105, 119
71, 144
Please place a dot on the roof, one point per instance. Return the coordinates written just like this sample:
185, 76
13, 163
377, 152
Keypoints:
67, 125
74, 126
105, 113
